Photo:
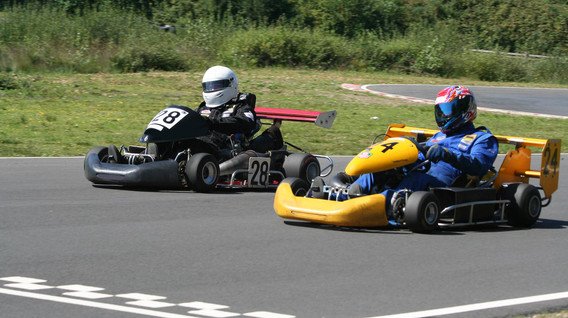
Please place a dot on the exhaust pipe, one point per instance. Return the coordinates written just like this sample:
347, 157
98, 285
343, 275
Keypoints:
240, 161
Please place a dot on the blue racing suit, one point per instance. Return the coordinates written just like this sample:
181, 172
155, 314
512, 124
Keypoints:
471, 151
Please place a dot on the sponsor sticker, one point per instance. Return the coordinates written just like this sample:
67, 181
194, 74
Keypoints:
364, 155
467, 141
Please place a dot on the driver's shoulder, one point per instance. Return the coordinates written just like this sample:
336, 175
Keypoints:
248, 99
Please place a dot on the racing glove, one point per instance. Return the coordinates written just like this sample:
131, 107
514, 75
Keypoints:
438, 153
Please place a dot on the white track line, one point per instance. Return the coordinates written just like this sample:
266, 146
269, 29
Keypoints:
363, 88
479, 306
87, 303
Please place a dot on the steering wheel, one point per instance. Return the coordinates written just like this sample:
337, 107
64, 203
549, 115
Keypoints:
426, 163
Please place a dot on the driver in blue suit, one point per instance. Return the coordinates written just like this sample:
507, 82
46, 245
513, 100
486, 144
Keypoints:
458, 148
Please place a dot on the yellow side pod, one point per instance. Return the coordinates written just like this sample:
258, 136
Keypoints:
363, 211
516, 166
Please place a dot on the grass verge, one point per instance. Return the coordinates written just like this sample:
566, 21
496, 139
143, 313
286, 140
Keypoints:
66, 115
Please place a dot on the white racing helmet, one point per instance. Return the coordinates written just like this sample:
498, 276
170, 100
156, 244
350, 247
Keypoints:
220, 85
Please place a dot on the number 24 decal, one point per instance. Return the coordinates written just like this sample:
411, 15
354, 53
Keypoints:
551, 159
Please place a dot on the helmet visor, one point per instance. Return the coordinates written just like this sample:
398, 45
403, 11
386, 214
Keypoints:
214, 86
445, 112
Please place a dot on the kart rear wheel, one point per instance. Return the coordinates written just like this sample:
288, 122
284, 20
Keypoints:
422, 212
202, 172
299, 186
302, 165
524, 209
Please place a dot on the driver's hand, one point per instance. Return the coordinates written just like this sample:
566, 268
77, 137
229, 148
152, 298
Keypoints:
438, 153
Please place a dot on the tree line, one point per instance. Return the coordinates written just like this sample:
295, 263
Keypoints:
536, 27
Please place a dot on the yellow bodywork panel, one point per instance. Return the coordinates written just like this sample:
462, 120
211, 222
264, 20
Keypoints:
398, 130
383, 156
366, 211
515, 162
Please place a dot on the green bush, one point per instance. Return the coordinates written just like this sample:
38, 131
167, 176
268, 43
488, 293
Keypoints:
10, 81
284, 46
552, 70
397, 54
495, 67
153, 53
141, 58
50, 39
433, 41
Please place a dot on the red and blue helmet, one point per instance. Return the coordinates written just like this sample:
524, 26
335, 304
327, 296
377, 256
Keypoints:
455, 107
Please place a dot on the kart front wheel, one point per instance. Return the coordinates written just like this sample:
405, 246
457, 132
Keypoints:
524, 209
100, 151
422, 212
202, 172
299, 186
302, 165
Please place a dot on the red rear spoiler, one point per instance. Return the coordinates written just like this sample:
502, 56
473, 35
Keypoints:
322, 119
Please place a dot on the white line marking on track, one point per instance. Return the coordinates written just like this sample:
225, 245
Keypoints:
363, 88
266, 314
138, 299
88, 303
479, 306
83, 291
208, 309
203, 305
146, 300
214, 313
26, 283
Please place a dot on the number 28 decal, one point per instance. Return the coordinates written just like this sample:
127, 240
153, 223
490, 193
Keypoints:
167, 118
258, 172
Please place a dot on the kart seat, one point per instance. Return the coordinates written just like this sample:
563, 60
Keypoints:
468, 181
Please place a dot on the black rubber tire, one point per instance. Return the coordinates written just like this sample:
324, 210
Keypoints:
300, 187
101, 151
202, 171
302, 165
114, 155
422, 212
524, 209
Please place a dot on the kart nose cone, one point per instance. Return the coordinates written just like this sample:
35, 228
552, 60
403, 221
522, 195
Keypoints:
389, 154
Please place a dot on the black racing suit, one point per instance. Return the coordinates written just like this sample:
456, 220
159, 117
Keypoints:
237, 117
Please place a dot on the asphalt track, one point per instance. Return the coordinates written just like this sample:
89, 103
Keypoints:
69, 249
545, 101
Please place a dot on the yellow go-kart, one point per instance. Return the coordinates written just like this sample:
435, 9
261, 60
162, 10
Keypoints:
503, 196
